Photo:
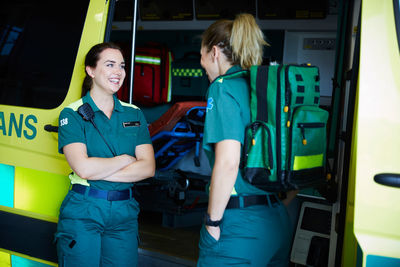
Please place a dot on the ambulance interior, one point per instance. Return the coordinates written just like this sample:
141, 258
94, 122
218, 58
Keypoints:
175, 198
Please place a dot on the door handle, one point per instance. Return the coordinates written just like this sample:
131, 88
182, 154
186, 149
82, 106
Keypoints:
389, 179
51, 128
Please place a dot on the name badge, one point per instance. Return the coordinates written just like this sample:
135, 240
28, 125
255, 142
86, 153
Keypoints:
131, 124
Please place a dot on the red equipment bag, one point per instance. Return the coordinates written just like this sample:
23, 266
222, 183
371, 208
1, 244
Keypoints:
152, 77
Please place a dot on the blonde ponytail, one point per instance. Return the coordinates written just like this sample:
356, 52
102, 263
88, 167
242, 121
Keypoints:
247, 41
240, 40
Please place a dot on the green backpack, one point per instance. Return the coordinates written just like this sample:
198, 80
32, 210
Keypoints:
285, 143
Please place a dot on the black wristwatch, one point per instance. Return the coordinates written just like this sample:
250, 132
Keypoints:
209, 222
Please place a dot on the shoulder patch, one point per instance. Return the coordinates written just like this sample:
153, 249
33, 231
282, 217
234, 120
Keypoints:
75, 105
128, 105
220, 80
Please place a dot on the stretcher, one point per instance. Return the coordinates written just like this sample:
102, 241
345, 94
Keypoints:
177, 132
177, 189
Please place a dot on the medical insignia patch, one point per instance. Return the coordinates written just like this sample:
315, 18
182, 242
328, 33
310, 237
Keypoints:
210, 104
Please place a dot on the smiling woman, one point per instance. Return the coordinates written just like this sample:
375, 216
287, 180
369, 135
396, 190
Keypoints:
108, 150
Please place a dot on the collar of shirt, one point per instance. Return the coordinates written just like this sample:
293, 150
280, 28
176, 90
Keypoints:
88, 99
234, 68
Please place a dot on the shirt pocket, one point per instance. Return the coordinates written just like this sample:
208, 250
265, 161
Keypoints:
127, 140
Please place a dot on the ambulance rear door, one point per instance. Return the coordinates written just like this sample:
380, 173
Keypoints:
376, 142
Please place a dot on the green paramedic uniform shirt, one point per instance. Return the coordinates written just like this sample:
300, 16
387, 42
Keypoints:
126, 129
228, 113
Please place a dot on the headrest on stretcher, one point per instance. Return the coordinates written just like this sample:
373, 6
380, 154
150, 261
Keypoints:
169, 119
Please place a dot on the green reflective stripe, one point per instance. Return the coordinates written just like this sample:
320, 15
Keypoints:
75, 105
28, 262
169, 77
374, 260
234, 193
185, 72
128, 105
148, 60
7, 185
75, 179
307, 162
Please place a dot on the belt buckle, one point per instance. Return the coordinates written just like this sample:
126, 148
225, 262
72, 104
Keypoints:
113, 195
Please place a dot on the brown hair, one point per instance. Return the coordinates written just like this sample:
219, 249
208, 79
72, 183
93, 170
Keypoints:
91, 59
241, 40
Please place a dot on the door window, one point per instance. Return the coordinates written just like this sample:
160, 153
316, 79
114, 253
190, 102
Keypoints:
38, 44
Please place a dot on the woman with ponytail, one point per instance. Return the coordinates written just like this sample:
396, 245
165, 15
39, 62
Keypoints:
244, 226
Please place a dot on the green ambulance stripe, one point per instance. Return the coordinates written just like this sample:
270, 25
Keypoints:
148, 60
307, 162
184, 72
7, 185
13, 259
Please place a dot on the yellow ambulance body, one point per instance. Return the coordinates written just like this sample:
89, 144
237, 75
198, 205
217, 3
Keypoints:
33, 175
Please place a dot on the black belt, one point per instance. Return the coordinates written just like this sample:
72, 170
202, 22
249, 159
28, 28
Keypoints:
236, 202
111, 195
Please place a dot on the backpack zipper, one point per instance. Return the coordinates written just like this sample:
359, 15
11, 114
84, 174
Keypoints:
304, 125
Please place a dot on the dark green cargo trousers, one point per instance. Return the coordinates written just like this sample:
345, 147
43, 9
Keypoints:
97, 232
259, 235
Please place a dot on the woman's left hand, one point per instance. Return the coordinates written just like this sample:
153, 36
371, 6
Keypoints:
214, 231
